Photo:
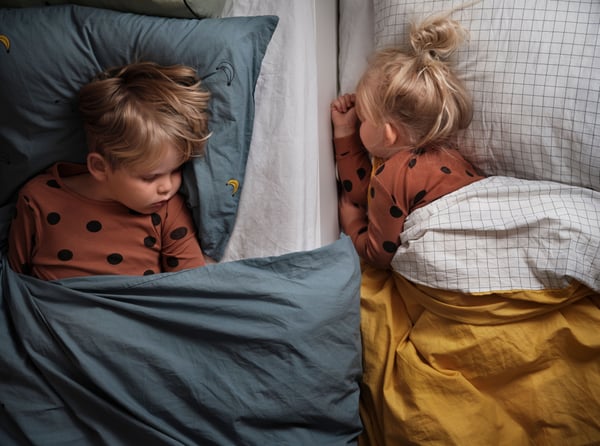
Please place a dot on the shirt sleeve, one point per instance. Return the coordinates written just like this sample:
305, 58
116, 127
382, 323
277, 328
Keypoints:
22, 235
369, 214
354, 168
378, 242
180, 247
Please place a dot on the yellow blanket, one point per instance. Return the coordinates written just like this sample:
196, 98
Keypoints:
444, 368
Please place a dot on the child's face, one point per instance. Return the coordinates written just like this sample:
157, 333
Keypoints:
372, 137
383, 141
149, 190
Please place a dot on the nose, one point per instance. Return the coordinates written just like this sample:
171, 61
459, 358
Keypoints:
165, 185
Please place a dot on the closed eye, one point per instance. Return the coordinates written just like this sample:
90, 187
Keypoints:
149, 179
153, 177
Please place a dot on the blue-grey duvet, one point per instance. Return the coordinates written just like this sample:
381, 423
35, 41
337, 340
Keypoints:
254, 352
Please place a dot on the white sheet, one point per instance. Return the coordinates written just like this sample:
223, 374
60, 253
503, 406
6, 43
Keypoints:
502, 234
280, 209
356, 37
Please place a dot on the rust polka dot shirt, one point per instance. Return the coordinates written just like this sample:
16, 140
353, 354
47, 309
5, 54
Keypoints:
57, 233
384, 194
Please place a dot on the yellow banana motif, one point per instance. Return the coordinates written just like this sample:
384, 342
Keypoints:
235, 185
5, 41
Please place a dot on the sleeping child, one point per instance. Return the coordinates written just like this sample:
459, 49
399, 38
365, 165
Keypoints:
394, 138
120, 213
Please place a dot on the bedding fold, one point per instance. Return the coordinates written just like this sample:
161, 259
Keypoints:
485, 331
260, 351
504, 234
440, 380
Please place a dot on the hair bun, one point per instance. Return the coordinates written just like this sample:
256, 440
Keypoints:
436, 37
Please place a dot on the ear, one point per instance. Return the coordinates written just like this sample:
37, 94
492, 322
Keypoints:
390, 135
97, 166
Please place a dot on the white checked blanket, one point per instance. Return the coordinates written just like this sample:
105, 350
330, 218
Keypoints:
502, 234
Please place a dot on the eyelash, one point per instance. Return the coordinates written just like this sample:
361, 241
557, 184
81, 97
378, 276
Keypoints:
154, 177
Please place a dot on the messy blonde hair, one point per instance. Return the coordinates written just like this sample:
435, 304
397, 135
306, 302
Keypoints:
133, 113
417, 89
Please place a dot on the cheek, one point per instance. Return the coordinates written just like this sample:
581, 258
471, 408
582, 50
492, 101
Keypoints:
364, 134
139, 191
369, 136
177, 179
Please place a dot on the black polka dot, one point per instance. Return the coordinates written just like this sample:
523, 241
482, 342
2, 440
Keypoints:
172, 262
469, 174
179, 233
396, 212
114, 258
347, 185
93, 226
149, 241
389, 247
53, 183
446, 170
412, 163
362, 230
380, 169
362, 173
148, 272
420, 195
156, 220
64, 255
372, 192
53, 218
132, 212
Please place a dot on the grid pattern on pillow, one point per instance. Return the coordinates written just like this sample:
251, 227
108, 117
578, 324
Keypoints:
533, 69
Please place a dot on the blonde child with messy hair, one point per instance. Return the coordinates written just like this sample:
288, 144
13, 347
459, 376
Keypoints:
120, 213
132, 114
395, 138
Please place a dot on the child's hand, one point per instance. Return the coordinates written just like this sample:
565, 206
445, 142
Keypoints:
343, 115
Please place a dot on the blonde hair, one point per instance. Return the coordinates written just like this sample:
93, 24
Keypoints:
417, 89
133, 113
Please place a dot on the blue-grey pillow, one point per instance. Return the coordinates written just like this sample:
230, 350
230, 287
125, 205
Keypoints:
47, 53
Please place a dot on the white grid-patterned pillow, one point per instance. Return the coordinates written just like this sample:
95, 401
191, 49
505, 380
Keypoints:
533, 69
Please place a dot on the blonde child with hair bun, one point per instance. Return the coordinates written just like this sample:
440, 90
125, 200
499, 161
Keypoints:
120, 213
395, 138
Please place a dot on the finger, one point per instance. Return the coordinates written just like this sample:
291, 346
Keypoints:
338, 105
348, 101
349, 98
